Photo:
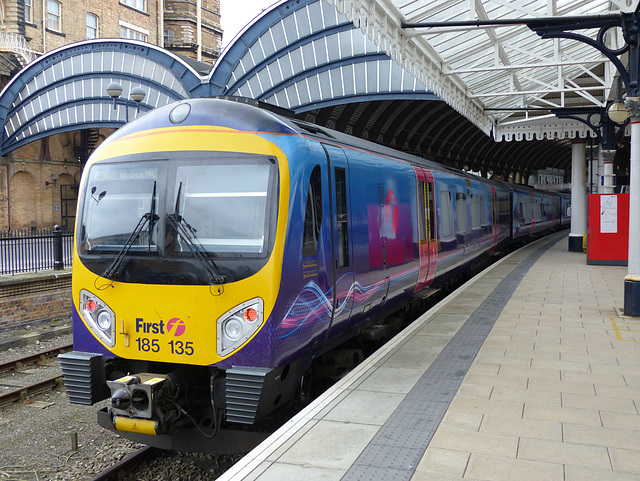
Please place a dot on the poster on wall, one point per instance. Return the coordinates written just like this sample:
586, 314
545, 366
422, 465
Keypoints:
608, 214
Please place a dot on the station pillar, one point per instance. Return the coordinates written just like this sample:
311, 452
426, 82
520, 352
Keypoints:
600, 172
632, 280
578, 197
608, 183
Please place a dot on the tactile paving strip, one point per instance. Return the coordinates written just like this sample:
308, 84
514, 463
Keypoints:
396, 450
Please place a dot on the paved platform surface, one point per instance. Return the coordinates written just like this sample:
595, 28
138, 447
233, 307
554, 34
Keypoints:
551, 390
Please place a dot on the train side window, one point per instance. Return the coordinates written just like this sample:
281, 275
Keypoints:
505, 208
446, 215
342, 218
475, 211
313, 215
461, 212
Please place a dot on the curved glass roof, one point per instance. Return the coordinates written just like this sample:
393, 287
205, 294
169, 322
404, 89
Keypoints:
504, 75
358, 66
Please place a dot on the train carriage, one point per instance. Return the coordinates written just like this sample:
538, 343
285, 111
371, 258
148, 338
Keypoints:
221, 248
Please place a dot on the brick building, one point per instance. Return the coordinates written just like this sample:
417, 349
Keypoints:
38, 181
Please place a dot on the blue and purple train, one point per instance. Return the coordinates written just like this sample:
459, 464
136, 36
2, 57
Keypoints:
221, 248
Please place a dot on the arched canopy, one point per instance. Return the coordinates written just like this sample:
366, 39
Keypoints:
325, 62
66, 89
306, 55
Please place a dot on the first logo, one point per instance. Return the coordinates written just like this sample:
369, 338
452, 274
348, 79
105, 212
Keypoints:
178, 323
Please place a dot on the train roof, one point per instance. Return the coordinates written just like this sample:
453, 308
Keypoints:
247, 114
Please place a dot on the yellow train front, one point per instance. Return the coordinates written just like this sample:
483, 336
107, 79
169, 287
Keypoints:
177, 265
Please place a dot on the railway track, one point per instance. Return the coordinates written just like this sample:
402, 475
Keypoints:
38, 358
121, 469
29, 389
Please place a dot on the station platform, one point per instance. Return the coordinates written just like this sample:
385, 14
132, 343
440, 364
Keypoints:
527, 372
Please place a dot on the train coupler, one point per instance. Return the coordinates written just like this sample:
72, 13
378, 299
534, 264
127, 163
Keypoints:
134, 396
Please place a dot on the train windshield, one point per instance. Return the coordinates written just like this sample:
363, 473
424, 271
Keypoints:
117, 200
189, 217
223, 207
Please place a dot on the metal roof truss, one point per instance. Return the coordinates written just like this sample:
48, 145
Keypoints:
502, 77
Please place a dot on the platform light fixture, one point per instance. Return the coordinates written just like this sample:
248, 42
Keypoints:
617, 112
137, 95
114, 90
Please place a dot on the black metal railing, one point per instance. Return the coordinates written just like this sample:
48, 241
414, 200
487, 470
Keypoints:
35, 250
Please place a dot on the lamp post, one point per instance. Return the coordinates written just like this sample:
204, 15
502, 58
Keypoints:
114, 90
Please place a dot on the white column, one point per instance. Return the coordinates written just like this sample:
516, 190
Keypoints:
609, 177
632, 280
592, 173
600, 172
578, 197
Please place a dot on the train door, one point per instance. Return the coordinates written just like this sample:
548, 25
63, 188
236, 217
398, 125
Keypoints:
341, 235
427, 227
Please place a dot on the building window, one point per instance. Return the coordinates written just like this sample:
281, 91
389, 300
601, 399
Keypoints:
169, 36
92, 26
54, 15
28, 11
137, 4
127, 32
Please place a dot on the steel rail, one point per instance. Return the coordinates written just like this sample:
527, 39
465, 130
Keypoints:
120, 470
23, 393
16, 364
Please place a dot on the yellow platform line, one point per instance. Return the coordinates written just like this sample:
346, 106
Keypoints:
617, 330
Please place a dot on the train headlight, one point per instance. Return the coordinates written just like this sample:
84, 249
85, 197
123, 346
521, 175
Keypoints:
99, 317
237, 325
233, 329
104, 320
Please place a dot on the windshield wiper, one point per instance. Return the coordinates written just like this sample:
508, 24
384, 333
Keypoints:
188, 234
153, 218
150, 217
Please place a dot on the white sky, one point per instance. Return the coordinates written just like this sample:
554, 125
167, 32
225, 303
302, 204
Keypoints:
235, 14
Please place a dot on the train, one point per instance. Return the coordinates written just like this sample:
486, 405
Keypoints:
222, 247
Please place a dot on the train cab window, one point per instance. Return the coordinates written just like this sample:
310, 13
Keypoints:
461, 212
446, 215
342, 217
313, 215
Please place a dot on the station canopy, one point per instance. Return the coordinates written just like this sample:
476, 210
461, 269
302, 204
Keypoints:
499, 82
497, 72
469, 95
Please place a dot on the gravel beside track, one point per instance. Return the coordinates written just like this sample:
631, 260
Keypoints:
36, 435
